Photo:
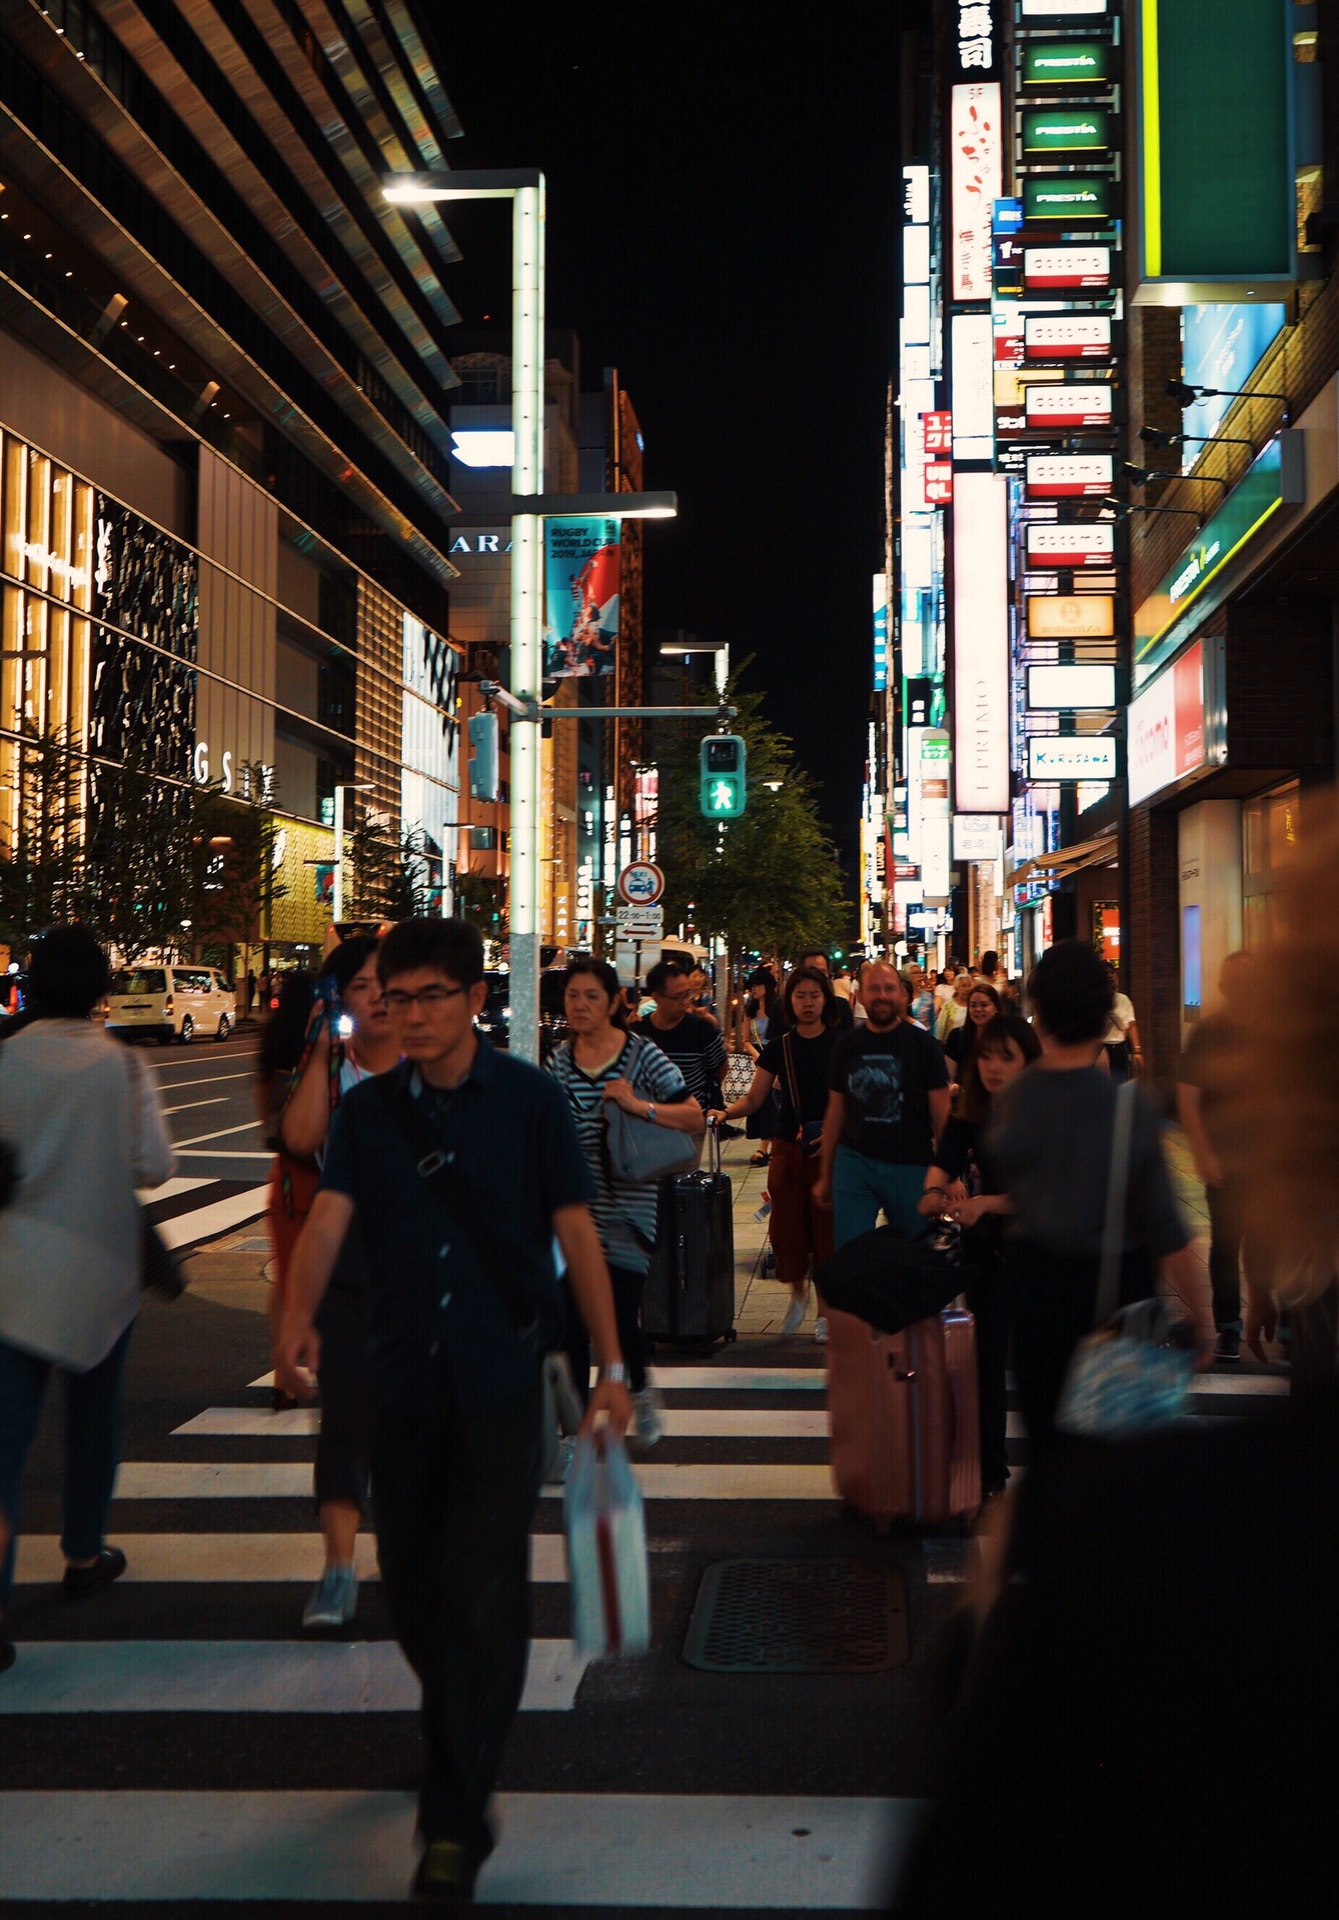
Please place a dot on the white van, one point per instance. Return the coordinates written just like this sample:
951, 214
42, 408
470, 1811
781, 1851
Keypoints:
166, 1003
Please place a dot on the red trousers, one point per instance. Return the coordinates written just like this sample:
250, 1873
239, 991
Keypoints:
799, 1228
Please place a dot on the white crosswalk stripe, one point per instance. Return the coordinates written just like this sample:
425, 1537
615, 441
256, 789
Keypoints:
747, 1852
249, 1676
292, 1479
680, 1423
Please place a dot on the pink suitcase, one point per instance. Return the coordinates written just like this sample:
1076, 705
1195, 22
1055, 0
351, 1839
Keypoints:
903, 1420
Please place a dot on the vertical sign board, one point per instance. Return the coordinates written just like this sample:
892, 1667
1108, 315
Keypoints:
981, 643
880, 632
936, 815
975, 59
973, 372
1214, 175
1166, 726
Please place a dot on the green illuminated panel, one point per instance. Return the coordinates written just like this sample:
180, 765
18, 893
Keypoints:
1066, 197
1067, 63
1216, 185
1066, 130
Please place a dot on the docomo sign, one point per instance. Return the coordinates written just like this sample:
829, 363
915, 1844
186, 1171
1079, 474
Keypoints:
1063, 268
1071, 407
1066, 336
981, 643
1051, 545
1069, 476
1166, 726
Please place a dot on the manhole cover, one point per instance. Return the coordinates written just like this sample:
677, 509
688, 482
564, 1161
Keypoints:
798, 1616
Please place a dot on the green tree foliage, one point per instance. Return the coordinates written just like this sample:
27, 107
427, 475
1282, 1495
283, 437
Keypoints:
769, 882
482, 902
41, 851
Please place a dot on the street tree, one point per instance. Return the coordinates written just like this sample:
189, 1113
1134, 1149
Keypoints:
141, 859
41, 837
769, 882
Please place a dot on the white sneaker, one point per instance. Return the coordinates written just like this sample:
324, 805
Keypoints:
821, 1330
794, 1320
334, 1599
647, 1425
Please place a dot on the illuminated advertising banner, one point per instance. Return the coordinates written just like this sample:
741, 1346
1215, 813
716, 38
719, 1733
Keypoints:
972, 371
1066, 130
1070, 408
935, 761
1068, 63
1067, 269
1067, 199
981, 643
1049, 10
1067, 336
976, 50
1072, 756
977, 836
582, 574
1166, 727
1051, 545
976, 154
1221, 347
1215, 178
1072, 689
1070, 476
1071, 616
880, 632
1245, 510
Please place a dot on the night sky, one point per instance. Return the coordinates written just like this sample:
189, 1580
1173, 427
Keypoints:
723, 204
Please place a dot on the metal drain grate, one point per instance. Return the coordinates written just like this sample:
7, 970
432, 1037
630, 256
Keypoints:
798, 1616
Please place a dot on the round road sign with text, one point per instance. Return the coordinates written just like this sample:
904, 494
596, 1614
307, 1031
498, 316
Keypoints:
641, 884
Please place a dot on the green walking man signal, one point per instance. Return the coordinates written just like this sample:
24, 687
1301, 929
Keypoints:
722, 791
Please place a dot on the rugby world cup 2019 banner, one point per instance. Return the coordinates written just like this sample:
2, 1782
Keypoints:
581, 595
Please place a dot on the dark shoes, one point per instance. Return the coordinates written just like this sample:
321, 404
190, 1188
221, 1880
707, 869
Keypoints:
79, 1582
1227, 1348
446, 1875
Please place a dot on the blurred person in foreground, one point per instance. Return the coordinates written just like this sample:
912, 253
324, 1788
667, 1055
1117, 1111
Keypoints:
1210, 1065
83, 1122
1050, 1143
1147, 1722
461, 1166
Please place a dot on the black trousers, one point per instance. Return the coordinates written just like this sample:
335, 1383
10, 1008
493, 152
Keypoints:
453, 1499
1051, 1302
988, 1301
1226, 1235
628, 1288
346, 1413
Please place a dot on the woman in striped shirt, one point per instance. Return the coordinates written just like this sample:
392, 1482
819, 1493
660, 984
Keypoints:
603, 1062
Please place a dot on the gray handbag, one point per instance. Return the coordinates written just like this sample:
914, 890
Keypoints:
641, 1152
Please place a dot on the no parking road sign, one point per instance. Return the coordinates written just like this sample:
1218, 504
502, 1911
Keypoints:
641, 883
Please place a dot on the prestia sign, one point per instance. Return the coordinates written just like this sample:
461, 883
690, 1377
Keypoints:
1051, 545
1066, 130
1070, 408
1066, 337
1070, 476
1067, 198
1067, 63
1067, 269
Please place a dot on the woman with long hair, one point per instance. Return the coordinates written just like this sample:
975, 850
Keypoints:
796, 1063
964, 1185
349, 1039
983, 1006
600, 1065
292, 1181
83, 1124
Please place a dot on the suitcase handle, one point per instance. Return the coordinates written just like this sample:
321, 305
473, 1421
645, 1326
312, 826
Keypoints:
902, 1373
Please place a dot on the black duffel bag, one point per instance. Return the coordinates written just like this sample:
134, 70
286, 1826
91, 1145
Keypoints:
892, 1282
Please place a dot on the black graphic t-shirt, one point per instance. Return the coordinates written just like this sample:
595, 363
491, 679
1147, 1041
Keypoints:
887, 1079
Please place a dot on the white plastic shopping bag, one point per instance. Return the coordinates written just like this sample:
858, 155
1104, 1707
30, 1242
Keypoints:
606, 1551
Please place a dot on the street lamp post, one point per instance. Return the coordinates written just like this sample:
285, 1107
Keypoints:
341, 788
524, 187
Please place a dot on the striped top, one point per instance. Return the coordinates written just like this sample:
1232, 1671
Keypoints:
624, 1210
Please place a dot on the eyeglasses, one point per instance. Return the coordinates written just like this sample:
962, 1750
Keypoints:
428, 998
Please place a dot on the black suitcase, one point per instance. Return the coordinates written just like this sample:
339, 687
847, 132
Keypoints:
690, 1286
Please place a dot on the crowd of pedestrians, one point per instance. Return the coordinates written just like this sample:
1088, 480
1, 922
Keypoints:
448, 1220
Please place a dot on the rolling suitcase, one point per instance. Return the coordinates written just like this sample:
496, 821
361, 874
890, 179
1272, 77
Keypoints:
903, 1419
690, 1285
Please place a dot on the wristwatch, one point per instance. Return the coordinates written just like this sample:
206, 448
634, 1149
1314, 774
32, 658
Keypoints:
617, 1374
651, 1112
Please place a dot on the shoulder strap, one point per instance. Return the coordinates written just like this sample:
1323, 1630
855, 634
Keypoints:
792, 1080
441, 1181
1118, 1183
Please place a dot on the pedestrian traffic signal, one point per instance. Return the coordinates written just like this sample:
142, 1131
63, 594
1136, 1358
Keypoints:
483, 761
722, 793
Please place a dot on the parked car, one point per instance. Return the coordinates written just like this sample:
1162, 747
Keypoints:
171, 1003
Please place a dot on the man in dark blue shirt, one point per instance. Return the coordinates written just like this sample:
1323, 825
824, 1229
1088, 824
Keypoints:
461, 1167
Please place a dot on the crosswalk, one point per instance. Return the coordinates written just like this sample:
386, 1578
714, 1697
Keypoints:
190, 1208
196, 1655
